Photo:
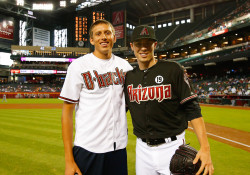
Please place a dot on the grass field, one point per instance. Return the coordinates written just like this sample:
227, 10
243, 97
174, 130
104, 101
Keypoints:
31, 142
32, 101
233, 118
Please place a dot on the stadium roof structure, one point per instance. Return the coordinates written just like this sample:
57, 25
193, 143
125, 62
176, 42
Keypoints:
135, 8
145, 8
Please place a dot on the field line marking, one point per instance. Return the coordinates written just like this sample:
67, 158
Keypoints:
225, 139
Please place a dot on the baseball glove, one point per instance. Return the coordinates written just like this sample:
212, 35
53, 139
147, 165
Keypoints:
182, 161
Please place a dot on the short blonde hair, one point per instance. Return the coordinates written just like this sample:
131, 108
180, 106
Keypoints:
100, 21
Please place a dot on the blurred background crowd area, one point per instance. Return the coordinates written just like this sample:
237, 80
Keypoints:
209, 38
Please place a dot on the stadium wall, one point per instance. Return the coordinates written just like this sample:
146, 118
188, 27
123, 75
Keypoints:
30, 94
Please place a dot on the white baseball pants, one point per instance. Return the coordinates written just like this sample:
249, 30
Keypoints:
156, 160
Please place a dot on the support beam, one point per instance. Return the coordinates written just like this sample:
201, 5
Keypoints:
186, 8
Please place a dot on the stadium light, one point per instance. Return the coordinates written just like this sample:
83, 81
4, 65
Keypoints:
73, 1
20, 2
62, 3
188, 67
42, 6
89, 3
210, 64
240, 59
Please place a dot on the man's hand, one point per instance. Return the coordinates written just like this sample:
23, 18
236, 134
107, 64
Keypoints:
204, 153
206, 162
71, 169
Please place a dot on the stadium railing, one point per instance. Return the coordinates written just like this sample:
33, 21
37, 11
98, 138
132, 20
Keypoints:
229, 100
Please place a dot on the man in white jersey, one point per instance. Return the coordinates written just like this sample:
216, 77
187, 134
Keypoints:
94, 88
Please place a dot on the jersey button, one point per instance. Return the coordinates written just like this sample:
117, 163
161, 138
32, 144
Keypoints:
145, 76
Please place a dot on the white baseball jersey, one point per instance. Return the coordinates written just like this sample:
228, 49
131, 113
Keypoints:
96, 85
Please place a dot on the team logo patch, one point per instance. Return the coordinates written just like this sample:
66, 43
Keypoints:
159, 79
144, 31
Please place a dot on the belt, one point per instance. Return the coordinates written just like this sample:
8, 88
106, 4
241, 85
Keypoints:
157, 142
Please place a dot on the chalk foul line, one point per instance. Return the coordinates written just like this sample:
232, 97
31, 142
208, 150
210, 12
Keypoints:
225, 139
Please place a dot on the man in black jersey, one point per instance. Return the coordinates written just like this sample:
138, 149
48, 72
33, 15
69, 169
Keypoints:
161, 103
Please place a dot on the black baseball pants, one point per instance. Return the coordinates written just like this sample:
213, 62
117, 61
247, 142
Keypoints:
110, 163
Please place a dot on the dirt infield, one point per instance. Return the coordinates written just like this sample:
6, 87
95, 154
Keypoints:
236, 138
233, 137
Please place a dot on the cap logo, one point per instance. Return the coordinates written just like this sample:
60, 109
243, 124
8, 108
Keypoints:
144, 31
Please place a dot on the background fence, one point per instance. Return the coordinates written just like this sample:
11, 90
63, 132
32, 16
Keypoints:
212, 99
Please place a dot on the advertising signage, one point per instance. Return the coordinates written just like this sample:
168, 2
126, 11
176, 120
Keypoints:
48, 59
118, 17
6, 27
119, 32
36, 71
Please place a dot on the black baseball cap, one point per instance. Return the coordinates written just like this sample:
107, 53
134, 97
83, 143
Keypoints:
143, 31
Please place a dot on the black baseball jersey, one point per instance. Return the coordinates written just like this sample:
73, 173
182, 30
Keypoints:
156, 98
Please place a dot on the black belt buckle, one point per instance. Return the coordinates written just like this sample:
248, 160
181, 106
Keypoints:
173, 138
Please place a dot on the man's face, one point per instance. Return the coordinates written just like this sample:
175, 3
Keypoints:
144, 50
103, 39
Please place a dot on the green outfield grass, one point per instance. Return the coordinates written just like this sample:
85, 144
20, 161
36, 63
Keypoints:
233, 118
31, 142
31, 101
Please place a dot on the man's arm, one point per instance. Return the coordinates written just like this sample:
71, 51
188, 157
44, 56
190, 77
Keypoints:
204, 152
67, 133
